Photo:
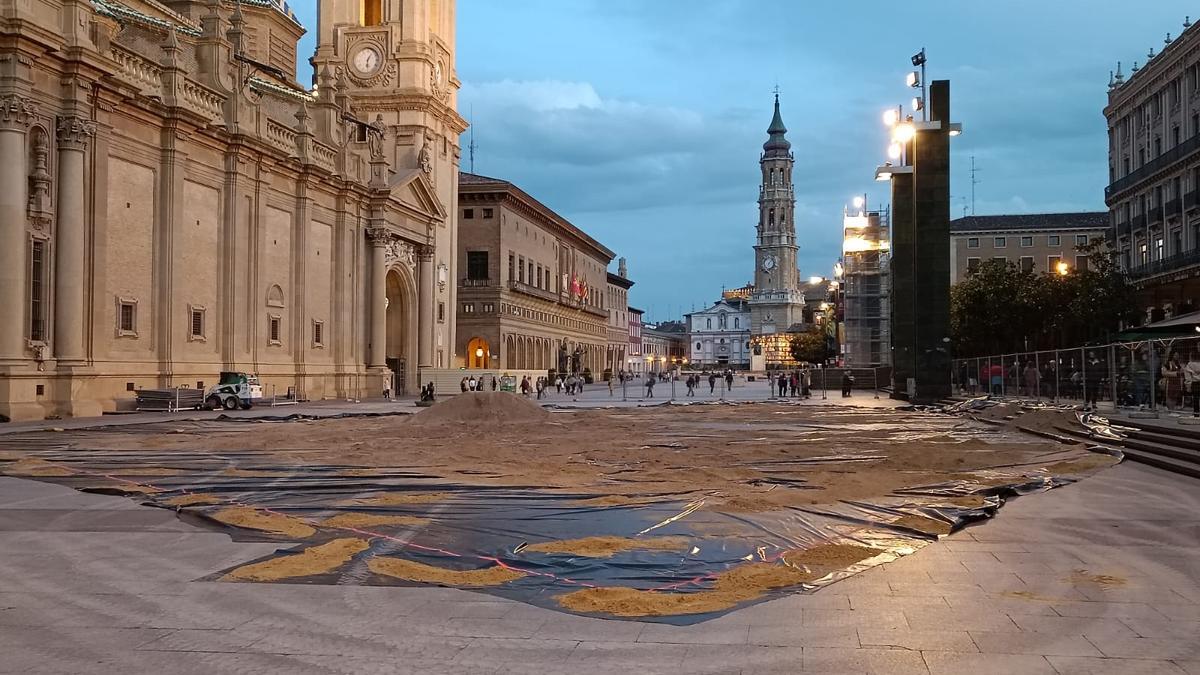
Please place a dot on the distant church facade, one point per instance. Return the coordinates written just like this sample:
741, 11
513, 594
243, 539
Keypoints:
173, 204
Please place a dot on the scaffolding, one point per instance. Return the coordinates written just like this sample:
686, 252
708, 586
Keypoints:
865, 260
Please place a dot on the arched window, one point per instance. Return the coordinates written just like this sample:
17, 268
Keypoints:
723, 321
737, 322
771, 217
708, 323
372, 12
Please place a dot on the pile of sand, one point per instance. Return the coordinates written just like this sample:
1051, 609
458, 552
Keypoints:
194, 500
311, 561
606, 547
923, 524
397, 499
485, 407
263, 521
428, 574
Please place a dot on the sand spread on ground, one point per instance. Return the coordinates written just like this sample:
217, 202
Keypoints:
397, 499
606, 547
35, 467
1096, 461
359, 520
146, 471
311, 561
428, 574
923, 524
968, 502
831, 556
263, 521
194, 500
742, 583
1102, 580
481, 408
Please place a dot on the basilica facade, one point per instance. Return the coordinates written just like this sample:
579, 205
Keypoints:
173, 204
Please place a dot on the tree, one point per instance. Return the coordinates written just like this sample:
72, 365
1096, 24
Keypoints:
810, 346
1002, 309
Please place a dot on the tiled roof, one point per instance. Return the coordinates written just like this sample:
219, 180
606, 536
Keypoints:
1087, 220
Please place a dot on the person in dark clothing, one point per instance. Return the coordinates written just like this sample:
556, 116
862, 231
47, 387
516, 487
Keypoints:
1094, 371
729, 381
712, 383
847, 383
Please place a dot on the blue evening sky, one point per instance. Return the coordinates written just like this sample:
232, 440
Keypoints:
642, 121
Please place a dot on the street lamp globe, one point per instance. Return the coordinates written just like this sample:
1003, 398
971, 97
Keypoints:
891, 117
1062, 268
859, 201
479, 352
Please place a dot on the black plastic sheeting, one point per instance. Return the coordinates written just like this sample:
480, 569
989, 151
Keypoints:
479, 527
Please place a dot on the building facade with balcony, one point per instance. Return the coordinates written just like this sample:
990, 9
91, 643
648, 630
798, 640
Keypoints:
1038, 242
634, 359
1154, 175
665, 346
533, 293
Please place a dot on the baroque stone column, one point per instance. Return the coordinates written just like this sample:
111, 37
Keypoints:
16, 114
377, 293
74, 134
425, 303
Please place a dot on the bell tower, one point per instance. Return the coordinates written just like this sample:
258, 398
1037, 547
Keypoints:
777, 302
391, 67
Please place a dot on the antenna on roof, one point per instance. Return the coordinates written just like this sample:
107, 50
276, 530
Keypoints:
471, 147
974, 181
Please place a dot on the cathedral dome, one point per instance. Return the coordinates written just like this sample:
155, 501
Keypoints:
777, 145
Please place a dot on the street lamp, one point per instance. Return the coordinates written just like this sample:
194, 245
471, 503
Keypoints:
1062, 268
903, 133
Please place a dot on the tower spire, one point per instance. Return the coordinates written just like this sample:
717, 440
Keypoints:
777, 144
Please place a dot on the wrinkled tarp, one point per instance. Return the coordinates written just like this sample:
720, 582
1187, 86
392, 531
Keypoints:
477, 527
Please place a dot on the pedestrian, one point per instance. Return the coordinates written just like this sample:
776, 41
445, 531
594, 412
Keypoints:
473, 384
847, 383
1032, 377
525, 386
463, 385
650, 385
1172, 380
783, 385
712, 383
729, 380
997, 376
558, 383
541, 388
610, 385
495, 382
1093, 370
1191, 380
387, 389
806, 383
691, 386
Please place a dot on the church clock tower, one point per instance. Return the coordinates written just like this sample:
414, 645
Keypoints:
777, 302
388, 65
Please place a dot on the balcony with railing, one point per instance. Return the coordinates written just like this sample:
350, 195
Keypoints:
1170, 264
474, 283
1171, 208
1190, 200
527, 289
1156, 215
1164, 161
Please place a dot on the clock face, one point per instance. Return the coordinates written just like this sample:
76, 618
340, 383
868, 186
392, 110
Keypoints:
769, 263
366, 61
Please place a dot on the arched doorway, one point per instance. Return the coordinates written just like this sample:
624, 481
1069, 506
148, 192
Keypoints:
401, 330
479, 354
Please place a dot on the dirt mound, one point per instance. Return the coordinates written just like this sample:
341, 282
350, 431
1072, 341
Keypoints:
485, 407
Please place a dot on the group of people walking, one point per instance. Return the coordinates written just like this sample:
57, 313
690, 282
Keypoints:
796, 384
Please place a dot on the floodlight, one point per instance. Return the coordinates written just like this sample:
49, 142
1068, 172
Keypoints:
903, 133
891, 117
913, 79
918, 59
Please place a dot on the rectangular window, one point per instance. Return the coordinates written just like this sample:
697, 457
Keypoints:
487, 213
973, 242
37, 292
477, 265
489, 308
318, 333
1081, 240
1053, 240
441, 312
468, 214
196, 323
1081, 263
512, 262
973, 265
1026, 242
1026, 263
274, 330
1052, 263
1000, 242
126, 317
532, 279
521, 269
468, 308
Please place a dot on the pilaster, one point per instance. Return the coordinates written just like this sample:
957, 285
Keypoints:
74, 133
17, 112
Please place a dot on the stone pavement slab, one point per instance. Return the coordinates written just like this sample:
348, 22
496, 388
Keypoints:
1097, 577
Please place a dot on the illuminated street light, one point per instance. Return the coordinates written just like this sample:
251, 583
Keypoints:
891, 117
479, 352
1062, 268
895, 150
918, 103
859, 201
913, 79
903, 133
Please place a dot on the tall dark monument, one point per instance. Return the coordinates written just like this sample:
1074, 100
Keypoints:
920, 263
